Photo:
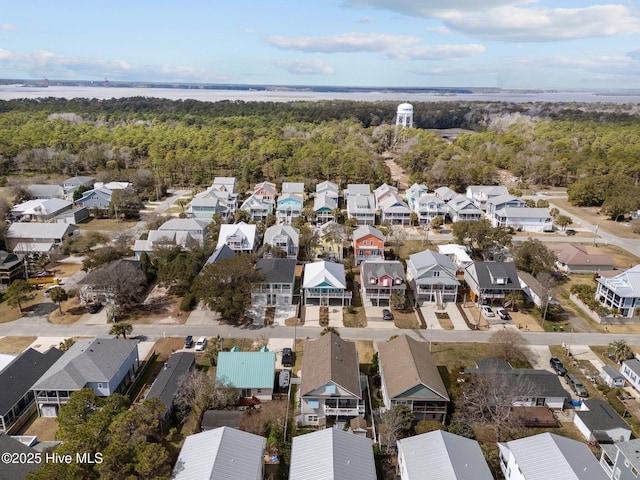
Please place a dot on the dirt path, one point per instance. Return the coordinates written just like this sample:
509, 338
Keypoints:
397, 172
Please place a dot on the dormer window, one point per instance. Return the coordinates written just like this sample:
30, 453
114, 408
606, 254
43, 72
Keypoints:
385, 282
373, 280
398, 281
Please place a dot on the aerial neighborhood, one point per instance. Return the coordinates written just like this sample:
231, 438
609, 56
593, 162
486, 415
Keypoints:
316, 329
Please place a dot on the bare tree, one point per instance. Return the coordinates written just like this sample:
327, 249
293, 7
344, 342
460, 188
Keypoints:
508, 344
547, 283
201, 393
491, 395
393, 425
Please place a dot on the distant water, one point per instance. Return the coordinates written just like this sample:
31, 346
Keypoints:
10, 92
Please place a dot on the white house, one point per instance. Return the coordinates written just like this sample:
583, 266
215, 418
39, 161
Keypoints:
325, 283
480, 194
630, 369
523, 219
599, 422
621, 292
239, 237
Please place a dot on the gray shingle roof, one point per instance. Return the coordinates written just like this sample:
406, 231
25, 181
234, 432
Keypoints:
600, 416
170, 378
277, 270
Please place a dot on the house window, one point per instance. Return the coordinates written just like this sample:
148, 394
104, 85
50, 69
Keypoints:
436, 274
312, 418
100, 385
313, 403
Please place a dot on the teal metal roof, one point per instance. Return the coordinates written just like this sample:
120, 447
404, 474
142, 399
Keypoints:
247, 369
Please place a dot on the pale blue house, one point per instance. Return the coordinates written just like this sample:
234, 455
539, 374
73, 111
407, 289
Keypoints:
288, 208
252, 374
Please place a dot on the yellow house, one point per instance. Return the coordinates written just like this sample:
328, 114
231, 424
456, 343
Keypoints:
333, 239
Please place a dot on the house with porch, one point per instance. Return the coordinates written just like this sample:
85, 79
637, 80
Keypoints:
258, 207
393, 210
332, 454
220, 198
239, 237
414, 192
289, 208
491, 282
70, 185
409, 376
460, 208
186, 232
621, 292
630, 370
523, 219
17, 401
445, 194
360, 204
379, 280
221, 453
330, 189
324, 283
444, 455
29, 238
502, 201
279, 281
481, 194
12, 267
40, 210
382, 192
267, 191
331, 389
104, 364
368, 244
168, 383
284, 237
324, 206
428, 207
251, 374
99, 197
333, 238
432, 277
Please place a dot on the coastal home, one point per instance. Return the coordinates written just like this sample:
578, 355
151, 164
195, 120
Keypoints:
547, 456
324, 206
523, 219
432, 277
168, 383
480, 194
104, 364
333, 237
428, 207
611, 377
73, 216
574, 258
278, 284
70, 185
460, 208
414, 192
457, 254
266, 190
491, 282
445, 194
221, 253
545, 387
17, 449
379, 280
251, 374
102, 285
534, 291
28, 238
383, 192
630, 370
221, 454
220, 198
332, 454
368, 244
186, 232
293, 188
289, 207
258, 207
393, 210
443, 455
17, 402
331, 389
283, 237
360, 204
96, 198
324, 283
620, 460
239, 237
409, 376
12, 267
621, 292
46, 190
502, 201
330, 189
40, 210
599, 422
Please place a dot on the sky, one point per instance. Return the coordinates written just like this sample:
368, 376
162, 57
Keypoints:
511, 44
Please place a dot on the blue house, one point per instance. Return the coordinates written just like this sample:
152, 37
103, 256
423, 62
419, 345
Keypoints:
288, 208
96, 198
251, 373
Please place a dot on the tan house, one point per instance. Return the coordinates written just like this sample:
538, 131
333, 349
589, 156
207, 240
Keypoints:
331, 386
410, 376
574, 258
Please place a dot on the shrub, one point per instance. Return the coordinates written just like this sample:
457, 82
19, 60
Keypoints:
188, 302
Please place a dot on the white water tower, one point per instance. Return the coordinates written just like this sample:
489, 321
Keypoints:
405, 115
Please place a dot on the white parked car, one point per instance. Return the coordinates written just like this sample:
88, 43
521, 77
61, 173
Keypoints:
487, 311
200, 344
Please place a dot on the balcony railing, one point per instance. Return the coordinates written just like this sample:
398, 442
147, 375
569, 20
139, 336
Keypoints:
345, 412
311, 294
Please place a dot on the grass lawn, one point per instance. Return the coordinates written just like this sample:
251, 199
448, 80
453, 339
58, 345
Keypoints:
591, 215
106, 224
12, 345
365, 351
72, 310
621, 258
9, 314
405, 320
410, 247
357, 319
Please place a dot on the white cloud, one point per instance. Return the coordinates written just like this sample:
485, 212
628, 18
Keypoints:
431, 8
346, 42
306, 66
6, 26
439, 52
52, 65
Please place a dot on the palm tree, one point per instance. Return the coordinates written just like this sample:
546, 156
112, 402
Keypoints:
58, 295
620, 350
121, 328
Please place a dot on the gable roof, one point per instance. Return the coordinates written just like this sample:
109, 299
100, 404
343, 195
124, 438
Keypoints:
407, 363
444, 455
183, 224
379, 268
427, 260
101, 192
328, 187
277, 230
220, 454
547, 455
169, 380
445, 193
78, 181
45, 190
576, 254
625, 284
524, 212
41, 206
277, 270
88, 360
317, 273
293, 187
598, 416
330, 359
332, 454
17, 378
242, 230
247, 369
365, 230
16, 470
221, 253
27, 230
494, 274
358, 189
325, 200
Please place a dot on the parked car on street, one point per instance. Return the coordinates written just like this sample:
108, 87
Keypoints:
503, 314
487, 311
557, 366
576, 385
188, 342
200, 344
386, 314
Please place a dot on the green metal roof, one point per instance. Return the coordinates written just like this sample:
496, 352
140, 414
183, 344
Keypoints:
247, 369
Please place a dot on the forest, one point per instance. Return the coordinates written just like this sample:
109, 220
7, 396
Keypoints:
593, 149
